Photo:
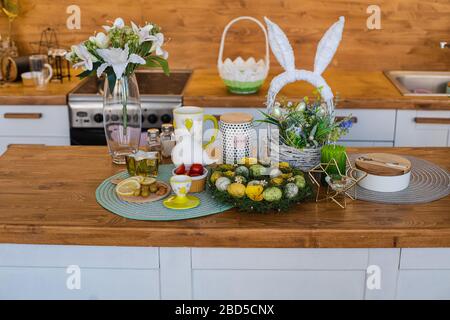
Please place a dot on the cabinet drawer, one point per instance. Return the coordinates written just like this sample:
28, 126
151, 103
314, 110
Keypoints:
51, 283
49, 141
423, 284
370, 125
12, 255
43, 121
262, 285
422, 128
280, 259
433, 258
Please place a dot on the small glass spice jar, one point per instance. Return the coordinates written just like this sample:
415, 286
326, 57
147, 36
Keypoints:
167, 139
153, 140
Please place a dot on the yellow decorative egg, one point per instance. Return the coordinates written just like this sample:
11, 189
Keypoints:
277, 181
287, 175
255, 192
284, 165
216, 175
236, 190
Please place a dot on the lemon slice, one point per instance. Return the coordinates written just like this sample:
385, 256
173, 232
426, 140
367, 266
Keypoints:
136, 178
148, 181
128, 187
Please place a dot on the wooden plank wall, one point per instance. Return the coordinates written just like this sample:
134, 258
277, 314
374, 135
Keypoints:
409, 39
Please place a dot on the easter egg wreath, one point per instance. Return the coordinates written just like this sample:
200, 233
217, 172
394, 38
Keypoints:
254, 187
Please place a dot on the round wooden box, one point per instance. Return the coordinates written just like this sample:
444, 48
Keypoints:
385, 172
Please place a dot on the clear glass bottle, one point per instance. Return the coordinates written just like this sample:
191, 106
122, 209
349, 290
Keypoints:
153, 140
167, 140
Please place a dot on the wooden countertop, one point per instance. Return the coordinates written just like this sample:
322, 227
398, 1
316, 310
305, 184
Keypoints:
47, 196
54, 94
356, 89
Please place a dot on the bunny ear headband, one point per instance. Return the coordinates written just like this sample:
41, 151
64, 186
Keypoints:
282, 50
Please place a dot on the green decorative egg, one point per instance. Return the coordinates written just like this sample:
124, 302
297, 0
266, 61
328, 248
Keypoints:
300, 181
242, 171
257, 170
272, 194
291, 190
222, 183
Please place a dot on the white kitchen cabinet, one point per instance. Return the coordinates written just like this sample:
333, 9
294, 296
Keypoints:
283, 273
277, 284
34, 125
50, 283
417, 128
41, 272
371, 127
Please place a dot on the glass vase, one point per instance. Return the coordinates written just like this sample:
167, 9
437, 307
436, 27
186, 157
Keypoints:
122, 117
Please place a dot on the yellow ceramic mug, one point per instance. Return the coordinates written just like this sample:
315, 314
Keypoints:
192, 119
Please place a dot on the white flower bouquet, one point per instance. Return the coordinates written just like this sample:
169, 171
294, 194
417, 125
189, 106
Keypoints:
120, 51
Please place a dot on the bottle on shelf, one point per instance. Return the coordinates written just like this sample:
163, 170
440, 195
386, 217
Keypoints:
167, 139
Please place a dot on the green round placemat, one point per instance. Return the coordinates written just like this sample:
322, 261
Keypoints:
154, 211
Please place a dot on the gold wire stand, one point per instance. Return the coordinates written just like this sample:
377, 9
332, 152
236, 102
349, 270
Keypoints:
333, 193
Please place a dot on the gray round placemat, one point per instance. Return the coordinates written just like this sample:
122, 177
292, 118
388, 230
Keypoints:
428, 183
154, 211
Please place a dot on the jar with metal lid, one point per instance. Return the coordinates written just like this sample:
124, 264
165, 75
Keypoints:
153, 140
167, 139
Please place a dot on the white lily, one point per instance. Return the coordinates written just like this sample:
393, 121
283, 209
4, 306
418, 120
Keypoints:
158, 41
101, 40
118, 23
87, 59
143, 33
118, 59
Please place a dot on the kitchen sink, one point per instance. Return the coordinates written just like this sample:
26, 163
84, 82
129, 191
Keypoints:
420, 83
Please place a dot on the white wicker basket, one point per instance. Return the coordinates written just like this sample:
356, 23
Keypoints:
303, 159
243, 76
306, 158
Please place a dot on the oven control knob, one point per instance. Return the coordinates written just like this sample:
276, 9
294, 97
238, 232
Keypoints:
166, 118
153, 118
115, 117
98, 118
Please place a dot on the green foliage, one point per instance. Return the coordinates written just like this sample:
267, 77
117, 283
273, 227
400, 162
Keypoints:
158, 62
306, 124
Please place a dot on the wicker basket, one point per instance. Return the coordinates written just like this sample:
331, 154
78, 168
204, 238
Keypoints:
243, 76
303, 159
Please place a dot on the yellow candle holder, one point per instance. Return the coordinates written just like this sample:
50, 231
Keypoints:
181, 185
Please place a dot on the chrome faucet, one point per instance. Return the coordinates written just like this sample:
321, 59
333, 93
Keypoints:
444, 45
